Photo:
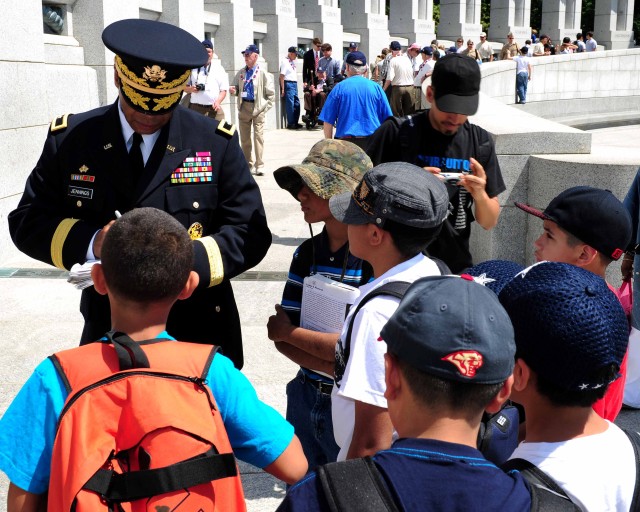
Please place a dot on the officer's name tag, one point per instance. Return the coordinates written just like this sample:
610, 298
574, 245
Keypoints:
85, 193
245, 94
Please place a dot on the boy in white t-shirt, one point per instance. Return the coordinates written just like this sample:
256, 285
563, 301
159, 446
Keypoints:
392, 216
523, 74
571, 335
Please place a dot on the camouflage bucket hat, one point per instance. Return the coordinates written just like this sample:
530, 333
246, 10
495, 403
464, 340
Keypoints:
331, 167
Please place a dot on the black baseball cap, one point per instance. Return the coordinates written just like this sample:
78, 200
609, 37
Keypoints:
454, 329
353, 45
292, 49
396, 191
395, 46
593, 215
456, 84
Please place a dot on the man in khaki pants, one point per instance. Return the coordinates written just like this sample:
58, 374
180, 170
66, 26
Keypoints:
255, 91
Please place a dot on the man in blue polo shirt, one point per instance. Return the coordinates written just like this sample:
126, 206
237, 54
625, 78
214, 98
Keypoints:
356, 106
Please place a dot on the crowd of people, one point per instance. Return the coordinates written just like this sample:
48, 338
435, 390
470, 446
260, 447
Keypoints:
390, 406
402, 75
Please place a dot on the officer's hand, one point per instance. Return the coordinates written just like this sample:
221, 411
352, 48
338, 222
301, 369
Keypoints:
475, 181
99, 239
626, 267
279, 326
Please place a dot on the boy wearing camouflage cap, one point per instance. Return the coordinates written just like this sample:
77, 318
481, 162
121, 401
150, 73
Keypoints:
332, 167
571, 335
450, 356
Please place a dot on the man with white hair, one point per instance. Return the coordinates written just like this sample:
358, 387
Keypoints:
356, 106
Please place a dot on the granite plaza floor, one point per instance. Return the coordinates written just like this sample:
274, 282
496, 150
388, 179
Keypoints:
39, 310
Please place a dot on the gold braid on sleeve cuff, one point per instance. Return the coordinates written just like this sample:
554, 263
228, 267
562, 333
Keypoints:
216, 269
57, 242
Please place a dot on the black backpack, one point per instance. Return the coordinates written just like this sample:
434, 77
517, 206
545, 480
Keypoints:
356, 485
498, 435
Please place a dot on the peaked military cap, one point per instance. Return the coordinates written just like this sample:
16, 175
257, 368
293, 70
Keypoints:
153, 61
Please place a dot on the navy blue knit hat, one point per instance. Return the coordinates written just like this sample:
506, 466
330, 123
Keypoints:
494, 274
569, 326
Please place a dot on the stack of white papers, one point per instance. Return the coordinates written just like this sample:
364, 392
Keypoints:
80, 275
325, 303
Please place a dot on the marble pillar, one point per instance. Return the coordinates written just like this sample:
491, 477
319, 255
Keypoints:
561, 18
367, 18
323, 18
613, 24
282, 25
459, 18
510, 16
412, 19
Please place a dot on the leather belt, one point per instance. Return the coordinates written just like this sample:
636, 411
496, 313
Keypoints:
323, 387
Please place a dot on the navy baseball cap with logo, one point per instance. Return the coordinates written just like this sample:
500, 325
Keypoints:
395, 46
252, 48
353, 45
569, 326
454, 329
207, 44
292, 49
153, 61
456, 84
593, 215
396, 191
427, 50
356, 59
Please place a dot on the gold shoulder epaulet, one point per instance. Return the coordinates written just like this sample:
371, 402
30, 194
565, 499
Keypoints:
59, 123
226, 129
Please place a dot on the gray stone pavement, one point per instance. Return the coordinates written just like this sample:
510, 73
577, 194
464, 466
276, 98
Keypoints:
39, 314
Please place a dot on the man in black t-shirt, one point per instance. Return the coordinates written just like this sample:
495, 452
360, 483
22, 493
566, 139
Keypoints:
443, 142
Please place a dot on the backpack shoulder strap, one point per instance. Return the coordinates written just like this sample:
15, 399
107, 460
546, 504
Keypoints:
395, 289
546, 494
634, 437
354, 485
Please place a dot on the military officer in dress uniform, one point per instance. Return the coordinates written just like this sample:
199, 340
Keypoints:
146, 150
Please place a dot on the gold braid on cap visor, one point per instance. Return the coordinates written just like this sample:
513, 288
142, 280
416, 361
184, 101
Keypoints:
133, 86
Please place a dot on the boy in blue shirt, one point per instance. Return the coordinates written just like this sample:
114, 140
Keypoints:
146, 260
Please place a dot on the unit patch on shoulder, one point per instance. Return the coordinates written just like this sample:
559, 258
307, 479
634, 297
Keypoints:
59, 123
226, 129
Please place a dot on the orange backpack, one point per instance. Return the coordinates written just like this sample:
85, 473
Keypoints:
140, 431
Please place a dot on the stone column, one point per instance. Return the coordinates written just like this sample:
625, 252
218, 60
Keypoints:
412, 19
510, 16
89, 19
613, 24
279, 15
233, 35
186, 14
358, 16
561, 18
459, 18
323, 18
